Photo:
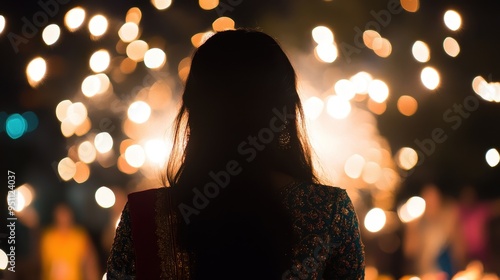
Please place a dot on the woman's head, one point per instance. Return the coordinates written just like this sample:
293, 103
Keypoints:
241, 89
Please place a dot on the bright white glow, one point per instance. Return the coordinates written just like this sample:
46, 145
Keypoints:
62, 109
98, 25
36, 70
161, 4
66, 169
430, 78
105, 276
413, 209
105, 197
354, 166
16, 200
338, 107
139, 112
375, 220
322, 35
492, 157
2, 23
345, 89
452, 20
407, 158
157, 151
99, 61
326, 52
103, 142
135, 156
74, 18
421, 51
313, 107
105, 83
51, 34
128, 32
4, 260
415, 206
87, 152
91, 85
24, 197
361, 81
378, 91
155, 58
77, 113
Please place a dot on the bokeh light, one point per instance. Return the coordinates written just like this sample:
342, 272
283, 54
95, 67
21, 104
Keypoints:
345, 89
361, 81
77, 113
430, 78
412, 209
2, 23
161, 4
66, 169
128, 32
51, 34
135, 156
82, 172
451, 47
407, 105
375, 220
322, 35
410, 5
338, 107
326, 52
103, 142
382, 47
354, 166
134, 15
369, 36
155, 58
105, 197
452, 20
406, 158
139, 112
62, 109
4, 260
223, 23
74, 18
36, 70
421, 51
492, 157
137, 49
157, 151
378, 91
86, 152
313, 107
16, 126
98, 25
99, 61
208, 4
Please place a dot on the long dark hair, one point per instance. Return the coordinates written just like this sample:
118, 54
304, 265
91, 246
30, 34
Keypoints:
241, 107
238, 79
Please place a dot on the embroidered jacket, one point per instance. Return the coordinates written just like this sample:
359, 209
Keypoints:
330, 245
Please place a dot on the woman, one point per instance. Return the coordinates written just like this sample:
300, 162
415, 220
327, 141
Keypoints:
243, 201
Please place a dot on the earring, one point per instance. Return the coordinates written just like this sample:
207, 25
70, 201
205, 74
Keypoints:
284, 138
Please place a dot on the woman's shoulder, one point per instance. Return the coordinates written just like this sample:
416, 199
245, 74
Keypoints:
311, 188
147, 195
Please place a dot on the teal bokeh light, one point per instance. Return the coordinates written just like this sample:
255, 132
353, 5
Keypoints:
31, 119
16, 126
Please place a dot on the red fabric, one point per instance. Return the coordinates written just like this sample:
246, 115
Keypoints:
143, 214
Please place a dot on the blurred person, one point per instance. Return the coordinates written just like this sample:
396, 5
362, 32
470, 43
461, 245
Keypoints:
67, 252
243, 201
474, 216
433, 243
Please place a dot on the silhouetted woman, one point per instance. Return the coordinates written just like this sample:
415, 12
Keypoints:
243, 201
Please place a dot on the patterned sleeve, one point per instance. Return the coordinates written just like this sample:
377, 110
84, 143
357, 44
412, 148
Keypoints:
121, 261
347, 260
